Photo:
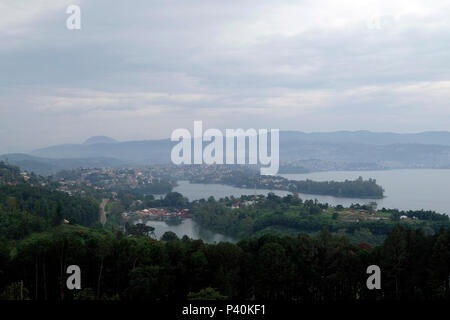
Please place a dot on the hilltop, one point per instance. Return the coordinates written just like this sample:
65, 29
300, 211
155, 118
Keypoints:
100, 139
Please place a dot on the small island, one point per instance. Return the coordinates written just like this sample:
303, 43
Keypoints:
359, 188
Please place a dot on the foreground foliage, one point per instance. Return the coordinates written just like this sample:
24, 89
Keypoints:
116, 266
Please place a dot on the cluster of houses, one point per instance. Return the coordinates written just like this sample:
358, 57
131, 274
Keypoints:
364, 215
155, 214
242, 204
107, 177
25, 176
372, 216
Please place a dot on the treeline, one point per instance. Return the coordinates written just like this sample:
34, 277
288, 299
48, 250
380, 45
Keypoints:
248, 220
11, 175
8, 173
419, 214
25, 209
358, 188
325, 267
291, 215
137, 201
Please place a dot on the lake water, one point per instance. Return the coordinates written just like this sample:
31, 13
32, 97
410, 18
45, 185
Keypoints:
406, 189
196, 191
189, 228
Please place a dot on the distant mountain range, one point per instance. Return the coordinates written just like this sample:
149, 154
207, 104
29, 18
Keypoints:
299, 151
100, 139
138, 152
47, 166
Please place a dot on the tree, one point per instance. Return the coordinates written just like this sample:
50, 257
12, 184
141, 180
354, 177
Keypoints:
272, 271
148, 283
15, 291
440, 266
175, 199
372, 206
11, 204
169, 236
395, 259
140, 230
58, 216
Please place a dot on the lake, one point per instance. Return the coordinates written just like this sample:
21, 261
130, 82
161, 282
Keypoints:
196, 191
405, 189
189, 228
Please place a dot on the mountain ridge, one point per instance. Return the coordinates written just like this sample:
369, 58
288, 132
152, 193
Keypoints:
299, 151
99, 139
46, 166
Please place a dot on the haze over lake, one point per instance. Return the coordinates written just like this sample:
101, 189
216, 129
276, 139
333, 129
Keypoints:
405, 189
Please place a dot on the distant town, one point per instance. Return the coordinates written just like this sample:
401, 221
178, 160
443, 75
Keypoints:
155, 214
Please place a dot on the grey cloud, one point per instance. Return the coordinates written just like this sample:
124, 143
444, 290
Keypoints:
323, 77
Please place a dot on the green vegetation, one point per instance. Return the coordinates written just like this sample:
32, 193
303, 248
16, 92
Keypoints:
290, 215
25, 209
29, 204
323, 267
36, 247
11, 175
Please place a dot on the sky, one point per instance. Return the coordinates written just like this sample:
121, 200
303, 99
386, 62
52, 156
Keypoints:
139, 69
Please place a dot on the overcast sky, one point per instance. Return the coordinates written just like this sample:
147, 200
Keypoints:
140, 69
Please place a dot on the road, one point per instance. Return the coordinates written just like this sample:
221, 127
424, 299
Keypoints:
102, 211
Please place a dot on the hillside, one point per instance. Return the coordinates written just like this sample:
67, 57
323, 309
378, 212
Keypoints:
9, 174
47, 166
343, 150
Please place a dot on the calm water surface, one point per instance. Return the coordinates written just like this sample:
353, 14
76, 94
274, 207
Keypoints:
189, 228
196, 191
406, 189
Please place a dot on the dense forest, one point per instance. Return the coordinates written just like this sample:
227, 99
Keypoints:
30, 205
121, 266
43, 231
42, 202
11, 175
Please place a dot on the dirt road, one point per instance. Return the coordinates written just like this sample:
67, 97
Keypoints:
102, 211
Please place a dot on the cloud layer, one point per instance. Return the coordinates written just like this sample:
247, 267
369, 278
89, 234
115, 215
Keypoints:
139, 69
